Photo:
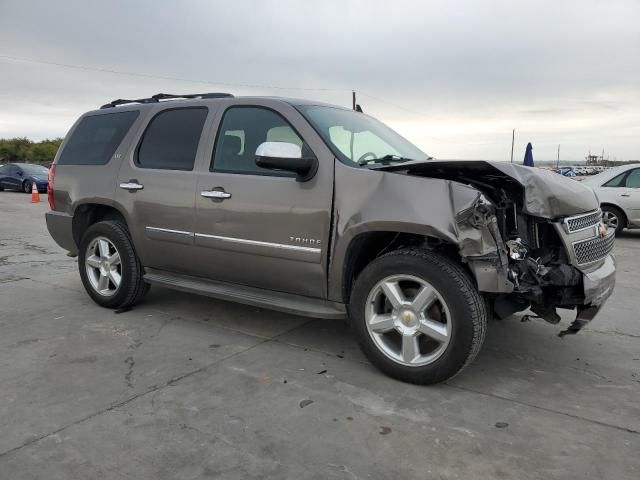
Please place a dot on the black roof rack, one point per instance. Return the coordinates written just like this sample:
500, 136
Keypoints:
165, 96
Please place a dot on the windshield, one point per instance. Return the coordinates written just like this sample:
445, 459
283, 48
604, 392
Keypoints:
35, 170
358, 139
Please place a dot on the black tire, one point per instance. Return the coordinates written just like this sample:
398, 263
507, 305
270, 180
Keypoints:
466, 306
132, 287
26, 186
619, 214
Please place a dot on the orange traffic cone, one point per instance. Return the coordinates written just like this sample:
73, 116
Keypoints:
35, 195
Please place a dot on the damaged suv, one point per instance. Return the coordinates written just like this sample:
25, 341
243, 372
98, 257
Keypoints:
321, 211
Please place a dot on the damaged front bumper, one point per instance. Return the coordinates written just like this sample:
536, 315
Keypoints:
598, 286
562, 264
599, 283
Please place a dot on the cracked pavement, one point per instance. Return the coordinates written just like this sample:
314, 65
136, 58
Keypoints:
184, 387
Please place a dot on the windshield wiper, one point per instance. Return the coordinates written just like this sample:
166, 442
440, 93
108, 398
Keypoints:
386, 160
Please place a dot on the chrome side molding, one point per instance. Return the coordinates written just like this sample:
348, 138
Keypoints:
259, 243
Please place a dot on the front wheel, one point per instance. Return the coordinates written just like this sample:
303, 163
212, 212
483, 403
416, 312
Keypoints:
418, 316
26, 186
109, 267
613, 218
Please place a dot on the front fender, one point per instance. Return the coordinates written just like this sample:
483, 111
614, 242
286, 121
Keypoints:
377, 201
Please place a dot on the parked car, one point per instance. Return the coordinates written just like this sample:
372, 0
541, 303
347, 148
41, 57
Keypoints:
22, 176
321, 211
566, 171
618, 190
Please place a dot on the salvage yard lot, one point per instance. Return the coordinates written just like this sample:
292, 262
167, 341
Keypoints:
188, 387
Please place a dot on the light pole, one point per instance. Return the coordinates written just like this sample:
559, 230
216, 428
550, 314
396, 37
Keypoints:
513, 137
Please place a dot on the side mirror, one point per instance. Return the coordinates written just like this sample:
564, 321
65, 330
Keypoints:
288, 157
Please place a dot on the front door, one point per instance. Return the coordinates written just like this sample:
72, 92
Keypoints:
156, 187
263, 228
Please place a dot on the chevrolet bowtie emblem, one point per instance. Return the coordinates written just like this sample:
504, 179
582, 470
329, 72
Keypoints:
602, 230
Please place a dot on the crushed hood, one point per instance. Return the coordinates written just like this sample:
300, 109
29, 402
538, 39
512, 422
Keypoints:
543, 192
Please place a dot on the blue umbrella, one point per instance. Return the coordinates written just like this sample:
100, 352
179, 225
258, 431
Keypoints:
528, 156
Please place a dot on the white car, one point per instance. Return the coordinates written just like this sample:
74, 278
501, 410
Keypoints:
618, 190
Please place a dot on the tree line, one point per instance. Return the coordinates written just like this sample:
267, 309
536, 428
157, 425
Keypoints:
23, 150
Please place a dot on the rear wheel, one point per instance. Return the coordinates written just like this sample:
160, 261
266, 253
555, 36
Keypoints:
109, 267
613, 218
417, 315
26, 186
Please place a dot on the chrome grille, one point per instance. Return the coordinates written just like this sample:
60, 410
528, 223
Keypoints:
594, 249
581, 222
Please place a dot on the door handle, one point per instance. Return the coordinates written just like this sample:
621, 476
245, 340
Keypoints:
625, 195
131, 185
217, 194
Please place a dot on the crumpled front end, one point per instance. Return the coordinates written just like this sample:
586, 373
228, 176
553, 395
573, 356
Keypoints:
532, 239
522, 261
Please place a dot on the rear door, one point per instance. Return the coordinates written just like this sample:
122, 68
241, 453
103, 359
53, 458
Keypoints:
630, 196
268, 230
156, 187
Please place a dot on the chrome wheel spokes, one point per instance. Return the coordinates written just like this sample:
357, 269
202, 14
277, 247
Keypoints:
408, 320
610, 219
103, 266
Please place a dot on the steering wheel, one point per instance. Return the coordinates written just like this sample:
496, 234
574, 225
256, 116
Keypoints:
362, 157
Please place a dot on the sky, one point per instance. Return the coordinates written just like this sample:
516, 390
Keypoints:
454, 77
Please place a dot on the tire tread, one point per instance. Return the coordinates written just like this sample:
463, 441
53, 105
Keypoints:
469, 294
138, 288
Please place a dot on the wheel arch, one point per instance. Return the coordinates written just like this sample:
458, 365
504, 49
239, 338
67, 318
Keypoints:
617, 207
365, 247
87, 214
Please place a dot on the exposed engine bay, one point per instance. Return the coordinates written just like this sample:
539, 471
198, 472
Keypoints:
534, 258
529, 237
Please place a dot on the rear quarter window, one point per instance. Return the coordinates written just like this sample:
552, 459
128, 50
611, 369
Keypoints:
96, 138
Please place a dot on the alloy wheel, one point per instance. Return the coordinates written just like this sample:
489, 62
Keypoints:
408, 320
610, 219
103, 266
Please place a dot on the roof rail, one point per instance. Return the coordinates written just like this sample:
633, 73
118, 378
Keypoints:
165, 96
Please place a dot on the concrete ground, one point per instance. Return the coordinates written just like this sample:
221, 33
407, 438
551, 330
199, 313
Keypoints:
186, 387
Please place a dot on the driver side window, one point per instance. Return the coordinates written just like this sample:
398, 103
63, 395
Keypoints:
241, 131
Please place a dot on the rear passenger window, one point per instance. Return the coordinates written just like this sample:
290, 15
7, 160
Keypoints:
633, 179
171, 139
616, 181
96, 138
